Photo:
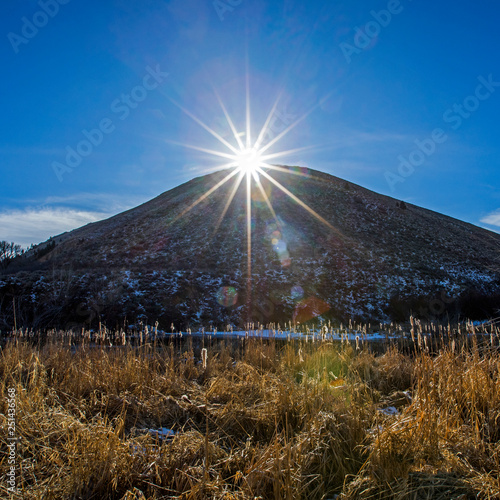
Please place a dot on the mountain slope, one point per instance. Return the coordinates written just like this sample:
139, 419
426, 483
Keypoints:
373, 254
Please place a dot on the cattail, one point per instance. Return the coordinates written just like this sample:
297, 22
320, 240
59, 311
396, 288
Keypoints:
357, 342
204, 354
301, 359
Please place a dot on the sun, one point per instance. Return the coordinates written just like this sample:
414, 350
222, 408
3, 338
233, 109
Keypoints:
248, 160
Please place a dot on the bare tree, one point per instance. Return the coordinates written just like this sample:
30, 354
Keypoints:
8, 251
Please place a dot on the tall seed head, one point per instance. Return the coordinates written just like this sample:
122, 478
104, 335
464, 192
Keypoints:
204, 355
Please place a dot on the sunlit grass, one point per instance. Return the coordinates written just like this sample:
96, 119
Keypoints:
253, 418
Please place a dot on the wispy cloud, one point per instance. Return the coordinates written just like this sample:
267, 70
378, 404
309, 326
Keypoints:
36, 225
492, 219
35, 220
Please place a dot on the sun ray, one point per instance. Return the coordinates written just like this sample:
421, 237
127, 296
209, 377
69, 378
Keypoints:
284, 153
267, 200
284, 170
266, 124
296, 199
206, 127
237, 184
202, 170
287, 171
248, 117
208, 193
285, 132
292, 126
205, 150
231, 124
249, 241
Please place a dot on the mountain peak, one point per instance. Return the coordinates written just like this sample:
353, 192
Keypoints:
184, 254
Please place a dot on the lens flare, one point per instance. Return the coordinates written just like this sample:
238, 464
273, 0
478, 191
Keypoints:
227, 296
297, 292
248, 160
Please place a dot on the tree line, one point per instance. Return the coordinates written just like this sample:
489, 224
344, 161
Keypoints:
8, 252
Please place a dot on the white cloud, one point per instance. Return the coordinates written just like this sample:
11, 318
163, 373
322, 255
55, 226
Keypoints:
54, 215
492, 219
36, 225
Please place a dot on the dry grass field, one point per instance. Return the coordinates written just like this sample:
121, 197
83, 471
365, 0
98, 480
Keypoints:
198, 418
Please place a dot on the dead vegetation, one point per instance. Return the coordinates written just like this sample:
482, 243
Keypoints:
263, 419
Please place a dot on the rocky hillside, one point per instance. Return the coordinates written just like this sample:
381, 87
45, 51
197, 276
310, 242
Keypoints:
376, 258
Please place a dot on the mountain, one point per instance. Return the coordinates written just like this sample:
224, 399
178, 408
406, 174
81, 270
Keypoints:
353, 253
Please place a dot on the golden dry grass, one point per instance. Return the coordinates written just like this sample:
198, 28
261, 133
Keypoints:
262, 420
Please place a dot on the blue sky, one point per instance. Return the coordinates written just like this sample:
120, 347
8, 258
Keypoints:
401, 97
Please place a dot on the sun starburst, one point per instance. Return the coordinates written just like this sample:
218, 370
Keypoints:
249, 160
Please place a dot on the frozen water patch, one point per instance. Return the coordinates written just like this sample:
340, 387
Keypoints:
390, 410
162, 433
